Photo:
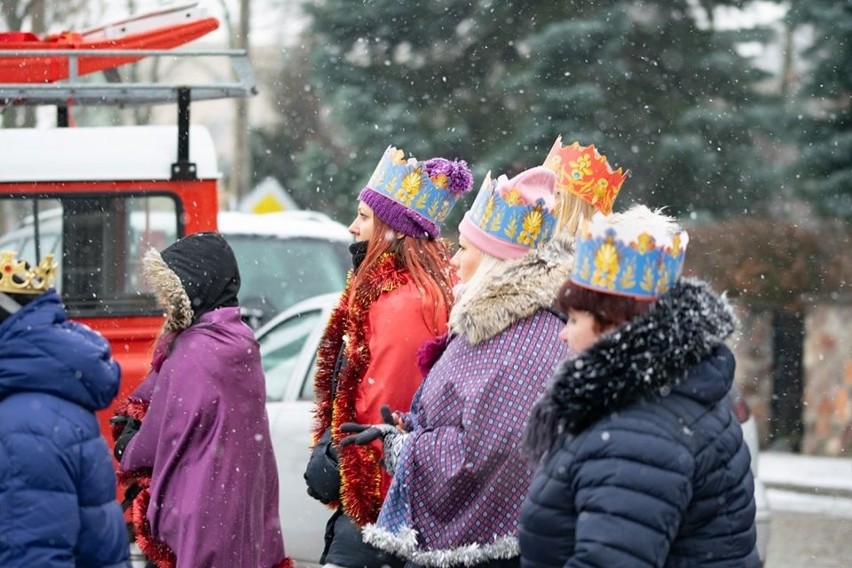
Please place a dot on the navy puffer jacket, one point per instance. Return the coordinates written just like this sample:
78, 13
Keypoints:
57, 482
646, 463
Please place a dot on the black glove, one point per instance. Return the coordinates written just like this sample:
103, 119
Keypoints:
131, 427
392, 437
129, 495
322, 474
366, 433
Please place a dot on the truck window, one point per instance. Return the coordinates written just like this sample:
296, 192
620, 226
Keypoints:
98, 242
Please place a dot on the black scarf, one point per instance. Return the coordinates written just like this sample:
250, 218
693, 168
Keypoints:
358, 250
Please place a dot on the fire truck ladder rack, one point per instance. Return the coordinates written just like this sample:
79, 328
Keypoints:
73, 91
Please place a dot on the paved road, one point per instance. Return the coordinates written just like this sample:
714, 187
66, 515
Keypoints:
800, 540
809, 540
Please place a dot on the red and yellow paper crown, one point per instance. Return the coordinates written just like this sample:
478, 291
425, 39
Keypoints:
585, 173
17, 277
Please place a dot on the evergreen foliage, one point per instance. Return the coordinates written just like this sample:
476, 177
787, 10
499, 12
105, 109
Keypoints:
825, 163
649, 82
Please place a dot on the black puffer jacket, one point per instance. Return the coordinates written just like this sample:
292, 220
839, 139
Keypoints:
647, 464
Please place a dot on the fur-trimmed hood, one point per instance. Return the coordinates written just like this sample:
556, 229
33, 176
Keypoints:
195, 275
648, 356
517, 291
170, 293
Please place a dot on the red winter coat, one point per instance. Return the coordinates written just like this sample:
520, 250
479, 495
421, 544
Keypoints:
378, 338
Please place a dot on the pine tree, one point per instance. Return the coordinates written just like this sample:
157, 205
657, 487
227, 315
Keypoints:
658, 94
426, 77
296, 148
825, 164
496, 82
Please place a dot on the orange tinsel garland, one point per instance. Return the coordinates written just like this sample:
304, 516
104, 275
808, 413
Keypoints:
360, 472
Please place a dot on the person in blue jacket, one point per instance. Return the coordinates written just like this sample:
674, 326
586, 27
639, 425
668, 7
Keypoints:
57, 482
644, 462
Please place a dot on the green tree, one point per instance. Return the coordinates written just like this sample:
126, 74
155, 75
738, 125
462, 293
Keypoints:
297, 149
495, 82
661, 92
825, 164
426, 77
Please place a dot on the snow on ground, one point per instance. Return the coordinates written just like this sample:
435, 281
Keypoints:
807, 484
798, 502
830, 475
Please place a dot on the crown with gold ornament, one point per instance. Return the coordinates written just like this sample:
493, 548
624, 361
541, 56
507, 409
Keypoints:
18, 277
512, 216
585, 173
415, 197
638, 253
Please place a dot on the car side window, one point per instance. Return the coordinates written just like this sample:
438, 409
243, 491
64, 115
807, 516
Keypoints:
280, 349
307, 392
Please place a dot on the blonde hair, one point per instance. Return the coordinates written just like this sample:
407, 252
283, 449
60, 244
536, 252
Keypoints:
488, 267
570, 212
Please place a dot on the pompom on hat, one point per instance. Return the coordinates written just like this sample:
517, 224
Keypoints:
511, 217
638, 253
415, 197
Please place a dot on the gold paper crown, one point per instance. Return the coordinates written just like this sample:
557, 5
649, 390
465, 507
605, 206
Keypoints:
585, 173
17, 277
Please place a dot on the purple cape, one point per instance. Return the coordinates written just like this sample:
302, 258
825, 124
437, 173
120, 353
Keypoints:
214, 485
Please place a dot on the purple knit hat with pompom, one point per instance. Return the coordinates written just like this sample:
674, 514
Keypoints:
414, 197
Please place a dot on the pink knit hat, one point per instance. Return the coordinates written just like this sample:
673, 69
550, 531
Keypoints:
510, 217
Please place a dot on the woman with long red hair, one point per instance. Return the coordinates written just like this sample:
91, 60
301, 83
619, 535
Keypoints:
397, 298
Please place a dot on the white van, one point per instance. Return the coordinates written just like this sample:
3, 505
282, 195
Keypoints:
285, 258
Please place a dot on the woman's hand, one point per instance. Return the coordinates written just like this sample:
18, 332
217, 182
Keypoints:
367, 433
389, 431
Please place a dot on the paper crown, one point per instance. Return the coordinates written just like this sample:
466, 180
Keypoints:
510, 217
585, 173
427, 189
17, 277
638, 253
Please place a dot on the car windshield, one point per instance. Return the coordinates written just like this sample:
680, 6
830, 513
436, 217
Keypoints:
277, 273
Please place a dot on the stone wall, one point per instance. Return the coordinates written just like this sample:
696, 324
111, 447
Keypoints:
828, 381
752, 346
827, 413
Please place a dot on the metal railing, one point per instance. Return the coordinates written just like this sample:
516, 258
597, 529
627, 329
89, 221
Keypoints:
74, 90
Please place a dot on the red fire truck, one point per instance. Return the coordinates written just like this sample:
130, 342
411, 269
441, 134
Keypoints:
98, 197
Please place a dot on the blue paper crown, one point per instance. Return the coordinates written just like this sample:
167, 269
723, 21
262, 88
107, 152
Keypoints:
509, 218
431, 194
628, 261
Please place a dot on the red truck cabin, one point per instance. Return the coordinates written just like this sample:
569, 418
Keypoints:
98, 198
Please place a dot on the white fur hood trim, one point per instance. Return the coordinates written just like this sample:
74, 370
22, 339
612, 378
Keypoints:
523, 287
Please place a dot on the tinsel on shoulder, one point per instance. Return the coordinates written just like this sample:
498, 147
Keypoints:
360, 471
